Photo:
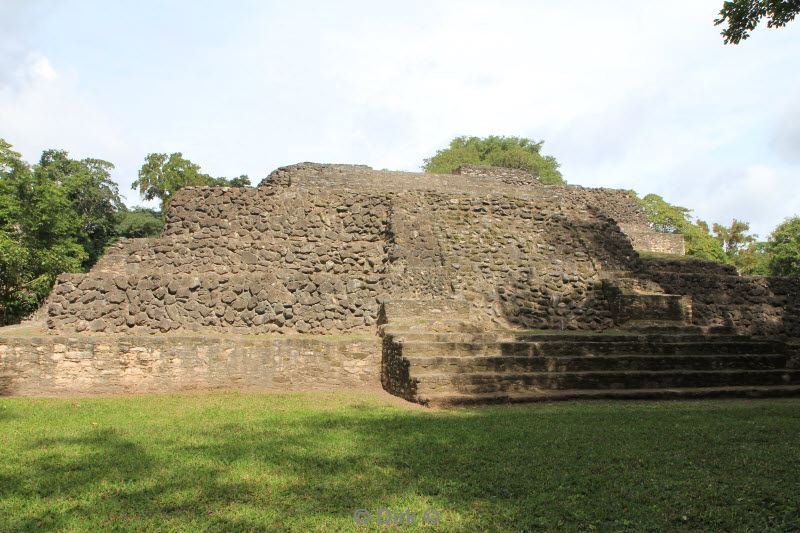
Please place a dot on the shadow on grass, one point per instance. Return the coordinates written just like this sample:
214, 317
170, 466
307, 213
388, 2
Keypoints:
554, 467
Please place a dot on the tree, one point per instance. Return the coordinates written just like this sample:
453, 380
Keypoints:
40, 235
738, 244
241, 181
162, 175
508, 152
139, 222
754, 260
56, 216
733, 239
668, 218
784, 248
94, 197
743, 16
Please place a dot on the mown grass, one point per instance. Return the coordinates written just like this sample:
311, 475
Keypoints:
265, 462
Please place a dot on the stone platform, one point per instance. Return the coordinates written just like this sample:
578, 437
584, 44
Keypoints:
435, 355
476, 287
33, 363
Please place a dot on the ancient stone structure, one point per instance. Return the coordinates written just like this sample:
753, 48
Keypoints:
484, 285
628, 216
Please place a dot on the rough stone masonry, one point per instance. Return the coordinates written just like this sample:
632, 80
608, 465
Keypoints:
318, 250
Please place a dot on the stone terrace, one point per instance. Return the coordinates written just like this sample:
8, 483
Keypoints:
446, 268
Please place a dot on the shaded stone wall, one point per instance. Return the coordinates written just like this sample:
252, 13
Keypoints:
104, 364
749, 305
526, 264
614, 203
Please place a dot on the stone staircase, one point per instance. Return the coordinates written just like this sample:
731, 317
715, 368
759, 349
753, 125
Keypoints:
456, 362
642, 305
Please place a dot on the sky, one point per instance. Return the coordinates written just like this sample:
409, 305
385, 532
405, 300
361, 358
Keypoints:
637, 94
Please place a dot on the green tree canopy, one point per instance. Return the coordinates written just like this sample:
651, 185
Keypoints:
93, 196
784, 248
240, 181
508, 152
734, 239
742, 16
754, 260
42, 231
55, 216
669, 218
139, 222
162, 175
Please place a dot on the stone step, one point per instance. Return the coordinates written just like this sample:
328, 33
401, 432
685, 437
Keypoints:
397, 310
612, 275
421, 325
639, 346
401, 334
494, 382
630, 283
422, 365
685, 265
651, 306
453, 400
665, 327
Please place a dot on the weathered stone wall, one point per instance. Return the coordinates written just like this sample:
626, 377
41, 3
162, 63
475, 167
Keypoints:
319, 248
264, 303
614, 203
307, 253
247, 260
510, 176
645, 239
748, 305
531, 265
687, 265
52, 365
316, 216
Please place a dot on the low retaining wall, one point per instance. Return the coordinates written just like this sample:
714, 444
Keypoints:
53, 365
751, 305
647, 240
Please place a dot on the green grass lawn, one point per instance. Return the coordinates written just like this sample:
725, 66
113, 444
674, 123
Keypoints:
261, 462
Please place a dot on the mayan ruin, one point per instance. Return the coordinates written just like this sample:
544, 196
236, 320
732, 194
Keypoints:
481, 286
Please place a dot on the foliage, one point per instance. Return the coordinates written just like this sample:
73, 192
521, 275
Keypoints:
750, 257
45, 227
91, 194
734, 238
743, 16
55, 217
668, 218
139, 222
241, 181
507, 152
162, 175
754, 260
784, 248
58, 216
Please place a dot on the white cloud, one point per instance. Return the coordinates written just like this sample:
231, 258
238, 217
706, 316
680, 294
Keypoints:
628, 94
41, 109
